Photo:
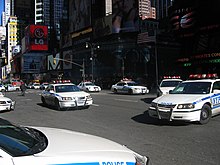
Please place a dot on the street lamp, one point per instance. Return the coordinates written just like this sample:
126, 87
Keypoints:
82, 66
93, 47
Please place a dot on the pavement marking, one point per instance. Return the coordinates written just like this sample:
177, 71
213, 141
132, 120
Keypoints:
126, 100
96, 105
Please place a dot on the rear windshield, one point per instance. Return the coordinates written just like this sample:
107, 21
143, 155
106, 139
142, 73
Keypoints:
169, 83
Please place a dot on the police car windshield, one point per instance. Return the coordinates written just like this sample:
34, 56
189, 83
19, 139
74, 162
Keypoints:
66, 88
169, 83
132, 84
89, 84
19, 141
192, 88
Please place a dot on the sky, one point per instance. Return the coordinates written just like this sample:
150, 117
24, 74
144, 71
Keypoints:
1, 9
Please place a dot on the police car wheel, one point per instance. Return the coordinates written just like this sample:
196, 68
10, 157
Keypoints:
205, 114
130, 91
57, 104
43, 100
115, 90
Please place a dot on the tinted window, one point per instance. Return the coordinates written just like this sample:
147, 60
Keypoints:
20, 141
192, 88
66, 88
169, 83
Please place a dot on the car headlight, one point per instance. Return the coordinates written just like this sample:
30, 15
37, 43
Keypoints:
186, 106
153, 104
66, 98
141, 160
89, 97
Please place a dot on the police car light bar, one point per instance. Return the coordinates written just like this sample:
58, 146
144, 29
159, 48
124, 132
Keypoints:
61, 81
171, 77
203, 76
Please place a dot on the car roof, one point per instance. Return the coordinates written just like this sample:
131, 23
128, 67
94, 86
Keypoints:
174, 79
203, 80
62, 84
128, 81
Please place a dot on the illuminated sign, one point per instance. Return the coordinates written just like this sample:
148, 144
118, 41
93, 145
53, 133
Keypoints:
81, 32
36, 38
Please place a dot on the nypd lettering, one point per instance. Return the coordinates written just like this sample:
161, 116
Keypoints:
216, 100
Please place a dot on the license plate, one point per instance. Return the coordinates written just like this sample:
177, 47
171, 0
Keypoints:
164, 115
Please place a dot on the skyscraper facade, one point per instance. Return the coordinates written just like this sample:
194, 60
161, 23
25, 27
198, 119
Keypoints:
146, 10
49, 13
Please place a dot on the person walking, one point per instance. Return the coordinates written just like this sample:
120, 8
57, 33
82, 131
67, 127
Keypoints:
23, 89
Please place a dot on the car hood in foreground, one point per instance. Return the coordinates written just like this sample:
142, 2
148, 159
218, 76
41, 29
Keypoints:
65, 142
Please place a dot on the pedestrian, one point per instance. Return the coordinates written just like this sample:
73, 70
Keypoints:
23, 89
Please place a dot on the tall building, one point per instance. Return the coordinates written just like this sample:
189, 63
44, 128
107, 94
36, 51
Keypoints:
7, 12
11, 39
146, 10
49, 13
162, 7
24, 11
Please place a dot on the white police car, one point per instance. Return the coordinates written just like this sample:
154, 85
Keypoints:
21, 145
89, 86
6, 104
65, 96
192, 100
127, 86
169, 83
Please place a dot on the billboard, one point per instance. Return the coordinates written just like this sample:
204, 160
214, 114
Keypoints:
33, 63
102, 27
79, 14
125, 16
36, 38
53, 63
67, 56
190, 17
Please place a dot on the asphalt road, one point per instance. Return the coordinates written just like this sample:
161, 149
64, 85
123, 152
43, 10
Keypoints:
124, 119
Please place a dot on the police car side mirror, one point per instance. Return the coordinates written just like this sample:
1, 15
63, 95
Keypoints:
216, 91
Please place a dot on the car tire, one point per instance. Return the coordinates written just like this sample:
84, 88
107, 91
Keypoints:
205, 114
43, 100
57, 104
115, 91
130, 91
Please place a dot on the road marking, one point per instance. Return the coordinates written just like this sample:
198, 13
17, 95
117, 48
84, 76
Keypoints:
126, 100
96, 105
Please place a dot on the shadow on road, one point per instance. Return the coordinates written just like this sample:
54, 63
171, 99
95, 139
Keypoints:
146, 119
66, 109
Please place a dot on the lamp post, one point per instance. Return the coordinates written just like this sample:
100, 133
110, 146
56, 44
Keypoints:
93, 47
82, 66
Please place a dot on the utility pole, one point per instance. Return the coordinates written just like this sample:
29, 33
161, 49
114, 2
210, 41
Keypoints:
81, 66
93, 47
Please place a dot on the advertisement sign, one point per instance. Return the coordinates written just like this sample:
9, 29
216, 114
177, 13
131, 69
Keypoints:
32, 63
124, 16
102, 26
67, 56
36, 38
80, 14
53, 62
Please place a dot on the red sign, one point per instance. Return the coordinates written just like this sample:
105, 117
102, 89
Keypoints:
36, 38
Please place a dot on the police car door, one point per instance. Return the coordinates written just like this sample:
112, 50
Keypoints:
216, 100
120, 87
